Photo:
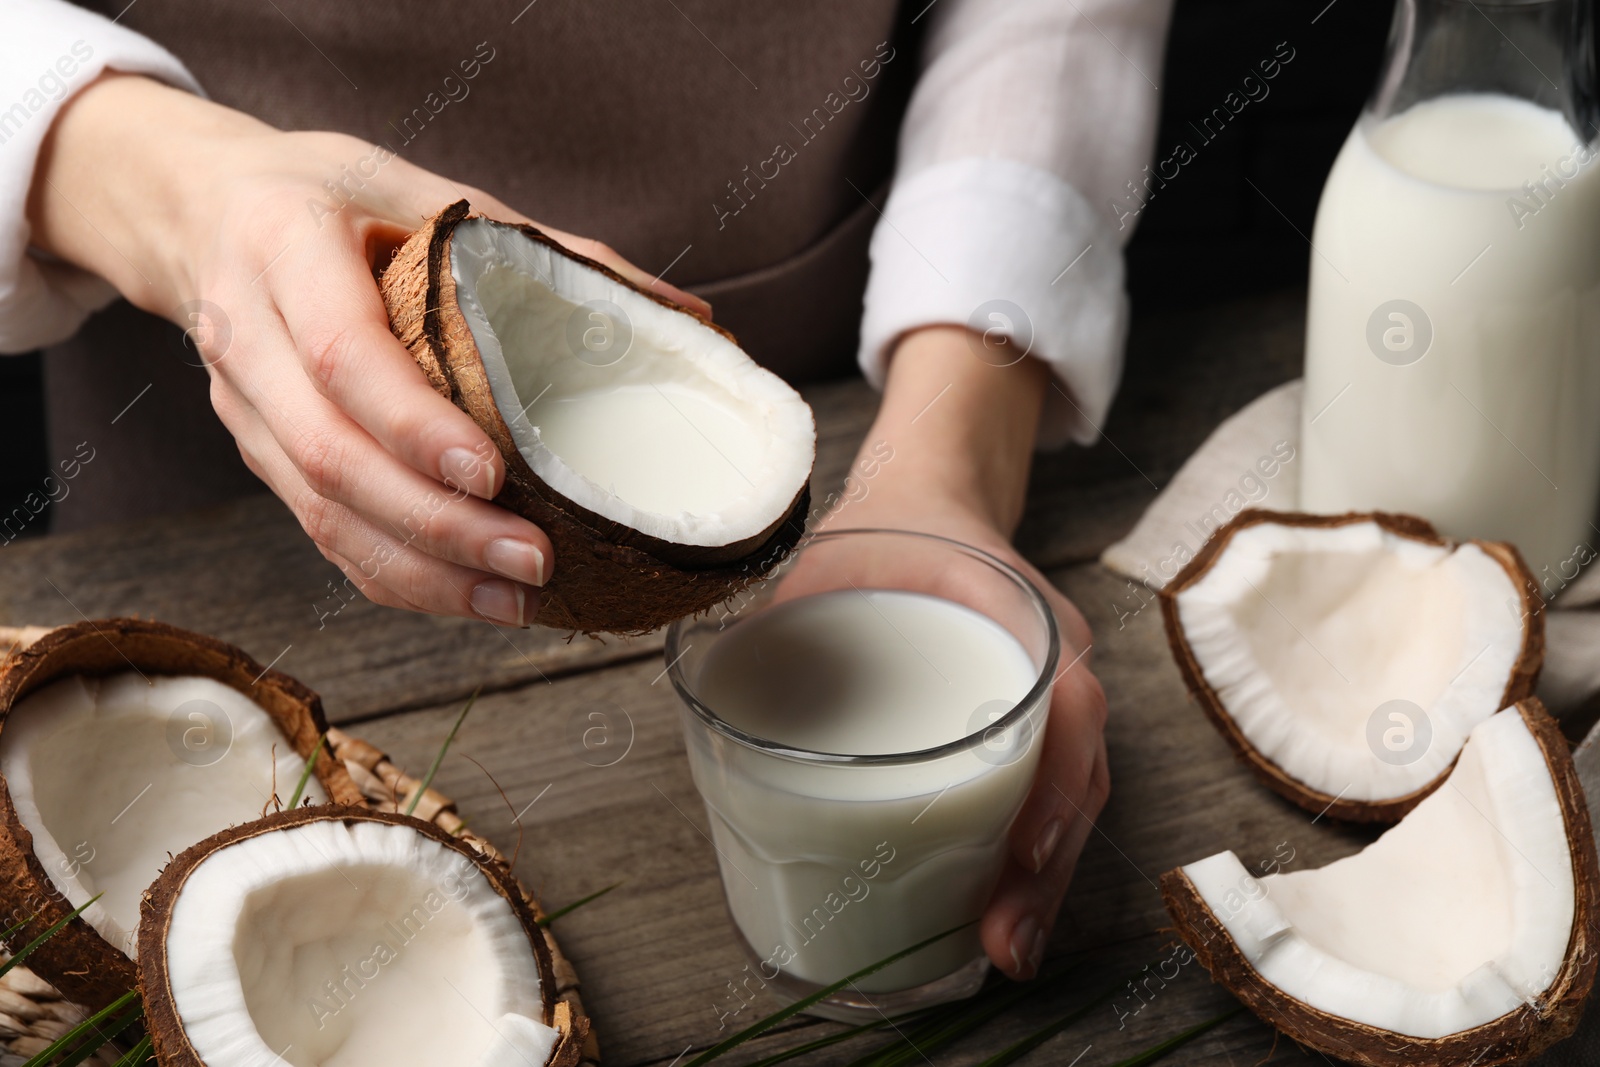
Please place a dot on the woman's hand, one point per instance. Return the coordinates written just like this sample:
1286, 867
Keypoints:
262, 245
961, 431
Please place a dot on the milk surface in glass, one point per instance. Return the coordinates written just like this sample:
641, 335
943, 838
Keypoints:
829, 868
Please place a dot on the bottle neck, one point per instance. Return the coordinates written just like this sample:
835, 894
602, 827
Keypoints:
1542, 51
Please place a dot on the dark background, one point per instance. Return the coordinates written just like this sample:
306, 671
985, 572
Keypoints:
1207, 236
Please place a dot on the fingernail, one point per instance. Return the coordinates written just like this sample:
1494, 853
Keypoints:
520, 560
1027, 947
501, 601
466, 469
1049, 838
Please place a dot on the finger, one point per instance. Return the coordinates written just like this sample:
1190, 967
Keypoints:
373, 591
377, 558
1065, 786
1022, 912
339, 462
340, 329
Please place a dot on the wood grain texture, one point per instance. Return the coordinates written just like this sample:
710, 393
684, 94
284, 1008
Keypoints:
247, 574
656, 955
584, 738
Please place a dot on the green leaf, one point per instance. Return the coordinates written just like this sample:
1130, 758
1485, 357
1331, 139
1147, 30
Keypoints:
1155, 1052
834, 1039
137, 1055
83, 1032
576, 904
437, 760
305, 775
32, 946
6, 934
953, 1022
802, 1004
1039, 1037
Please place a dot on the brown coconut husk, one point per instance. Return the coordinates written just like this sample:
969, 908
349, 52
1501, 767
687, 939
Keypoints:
610, 578
166, 1028
80, 963
1521, 682
1520, 1033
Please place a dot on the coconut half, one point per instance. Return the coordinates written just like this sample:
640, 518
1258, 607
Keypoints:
122, 742
1462, 935
666, 466
321, 938
1347, 658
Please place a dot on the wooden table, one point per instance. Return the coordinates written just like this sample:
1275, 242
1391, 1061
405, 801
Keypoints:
656, 954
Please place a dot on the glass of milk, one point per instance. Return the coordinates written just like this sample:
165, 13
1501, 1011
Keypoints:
1453, 329
863, 727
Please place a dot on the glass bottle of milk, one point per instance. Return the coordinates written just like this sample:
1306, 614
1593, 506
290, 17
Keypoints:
1453, 330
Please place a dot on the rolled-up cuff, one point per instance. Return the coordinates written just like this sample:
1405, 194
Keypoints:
1002, 246
51, 50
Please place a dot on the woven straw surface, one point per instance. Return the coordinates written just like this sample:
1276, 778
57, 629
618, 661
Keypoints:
33, 1014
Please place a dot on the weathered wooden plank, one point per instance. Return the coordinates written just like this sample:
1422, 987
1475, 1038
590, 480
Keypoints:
657, 954
246, 573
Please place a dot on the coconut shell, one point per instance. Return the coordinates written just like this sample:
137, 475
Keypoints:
166, 1029
77, 960
609, 577
1521, 682
1521, 1033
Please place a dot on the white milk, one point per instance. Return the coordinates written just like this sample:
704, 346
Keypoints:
667, 448
829, 868
1484, 212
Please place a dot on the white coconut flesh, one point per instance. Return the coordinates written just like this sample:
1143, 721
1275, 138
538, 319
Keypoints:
1307, 634
335, 945
1458, 914
114, 775
639, 413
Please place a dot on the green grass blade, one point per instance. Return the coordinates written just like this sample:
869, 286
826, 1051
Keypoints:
137, 1055
104, 1038
801, 1005
10, 931
834, 1039
1155, 1052
946, 1028
82, 1033
437, 760
576, 904
29, 949
1039, 1037
305, 775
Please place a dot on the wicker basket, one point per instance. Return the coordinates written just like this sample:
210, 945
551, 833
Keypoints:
33, 1014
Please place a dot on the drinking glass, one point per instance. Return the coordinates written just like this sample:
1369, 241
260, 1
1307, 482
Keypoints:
832, 861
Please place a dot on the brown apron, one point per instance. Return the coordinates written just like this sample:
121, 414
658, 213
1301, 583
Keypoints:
730, 144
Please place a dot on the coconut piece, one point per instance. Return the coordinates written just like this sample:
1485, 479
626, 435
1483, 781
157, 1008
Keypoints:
1462, 935
123, 741
325, 938
667, 468
1346, 658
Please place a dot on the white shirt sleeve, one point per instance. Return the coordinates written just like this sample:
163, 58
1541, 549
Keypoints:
1027, 125
49, 50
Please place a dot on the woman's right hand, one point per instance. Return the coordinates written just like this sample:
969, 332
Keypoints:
262, 244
